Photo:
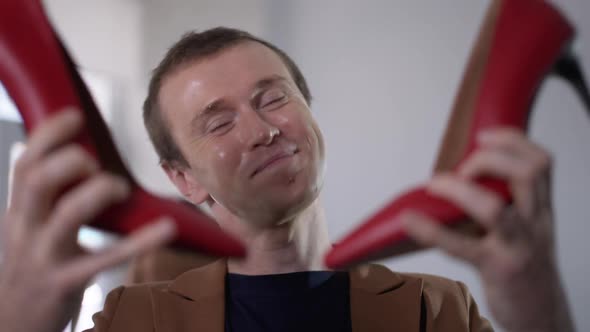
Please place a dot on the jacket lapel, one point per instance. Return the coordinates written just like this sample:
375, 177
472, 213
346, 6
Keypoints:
381, 300
195, 301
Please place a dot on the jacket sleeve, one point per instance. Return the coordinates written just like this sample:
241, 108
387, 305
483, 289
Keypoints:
477, 323
102, 320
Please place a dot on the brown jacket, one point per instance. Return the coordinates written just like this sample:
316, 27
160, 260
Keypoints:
380, 300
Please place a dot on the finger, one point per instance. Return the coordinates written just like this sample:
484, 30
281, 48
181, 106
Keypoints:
81, 205
513, 143
147, 238
484, 206
528, 176
497, 162
54, 132
57, 130
512, 140
50, 178
428, 232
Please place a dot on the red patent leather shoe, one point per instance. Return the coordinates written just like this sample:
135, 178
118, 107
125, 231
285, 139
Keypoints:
41, 78
519, 44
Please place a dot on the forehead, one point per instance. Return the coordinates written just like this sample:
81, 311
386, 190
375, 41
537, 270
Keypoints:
230, 72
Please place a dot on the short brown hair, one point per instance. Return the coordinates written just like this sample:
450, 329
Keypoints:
192, 47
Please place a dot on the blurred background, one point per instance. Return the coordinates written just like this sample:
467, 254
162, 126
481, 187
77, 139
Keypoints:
383, 75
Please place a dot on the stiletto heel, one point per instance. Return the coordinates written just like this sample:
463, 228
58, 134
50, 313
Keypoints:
568, 67
41, 78
519, 44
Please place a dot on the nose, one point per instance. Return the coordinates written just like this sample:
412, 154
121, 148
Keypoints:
257, 131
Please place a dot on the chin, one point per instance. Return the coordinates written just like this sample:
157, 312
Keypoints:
283, 197
284, 208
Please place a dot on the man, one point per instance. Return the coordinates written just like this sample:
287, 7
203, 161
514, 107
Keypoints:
229, 116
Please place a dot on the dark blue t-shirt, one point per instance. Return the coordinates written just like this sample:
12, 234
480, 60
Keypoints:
300, 301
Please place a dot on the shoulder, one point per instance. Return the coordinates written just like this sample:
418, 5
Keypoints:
434, 289
134, 295
437, 287
444, 300
132, 308
127, 308
379, 277
440, 303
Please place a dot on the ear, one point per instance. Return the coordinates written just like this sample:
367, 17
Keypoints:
185, 182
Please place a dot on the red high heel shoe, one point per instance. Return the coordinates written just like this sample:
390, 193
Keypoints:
518, 45
41, 78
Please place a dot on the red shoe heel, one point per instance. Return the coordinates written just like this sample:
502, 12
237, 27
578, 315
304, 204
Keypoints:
41, 78
568, 68
519, 43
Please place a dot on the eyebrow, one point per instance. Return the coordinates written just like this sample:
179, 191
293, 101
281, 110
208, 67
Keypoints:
216, 105
268, 81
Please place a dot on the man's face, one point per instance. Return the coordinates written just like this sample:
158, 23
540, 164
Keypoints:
246, 132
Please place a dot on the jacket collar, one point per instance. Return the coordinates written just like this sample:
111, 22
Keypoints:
380, 300
202, 282
195, 301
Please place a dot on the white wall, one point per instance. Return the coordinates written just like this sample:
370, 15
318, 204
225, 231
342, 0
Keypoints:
383, 73
105, 37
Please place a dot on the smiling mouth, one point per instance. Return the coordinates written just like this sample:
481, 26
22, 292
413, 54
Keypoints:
272, 160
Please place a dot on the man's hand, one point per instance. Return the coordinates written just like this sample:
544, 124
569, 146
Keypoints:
57, 188
516, 258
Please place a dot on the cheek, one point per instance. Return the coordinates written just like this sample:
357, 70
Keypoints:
311, 132
215, 162
220, 154
224, 160
296, 122
300, 127
319, 138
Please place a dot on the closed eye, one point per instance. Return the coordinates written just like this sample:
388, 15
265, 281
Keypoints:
274, 101
218, 127
273, 98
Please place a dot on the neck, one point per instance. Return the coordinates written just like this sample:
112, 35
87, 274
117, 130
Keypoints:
294, 246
